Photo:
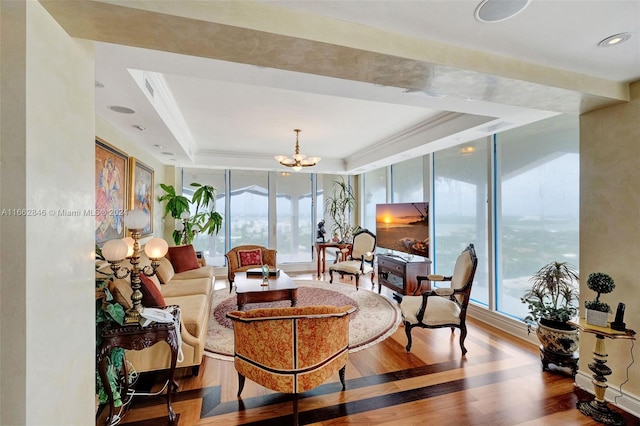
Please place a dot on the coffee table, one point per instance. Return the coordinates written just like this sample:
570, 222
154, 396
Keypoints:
251, 290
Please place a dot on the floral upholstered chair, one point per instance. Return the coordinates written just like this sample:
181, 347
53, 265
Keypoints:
291, 350
245, 257
444, 306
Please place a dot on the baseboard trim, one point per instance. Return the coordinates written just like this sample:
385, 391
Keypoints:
509, 325
622, 400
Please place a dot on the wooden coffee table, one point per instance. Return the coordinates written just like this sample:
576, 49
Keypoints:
251, 290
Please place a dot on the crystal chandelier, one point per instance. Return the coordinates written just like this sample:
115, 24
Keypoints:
299, 160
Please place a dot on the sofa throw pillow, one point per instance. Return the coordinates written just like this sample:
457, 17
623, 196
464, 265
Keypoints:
183, 258
151, 295
165, 271
249, 257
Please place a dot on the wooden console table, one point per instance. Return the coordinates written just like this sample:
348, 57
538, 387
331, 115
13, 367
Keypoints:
399, 273
598, 408
321, 254
136, 337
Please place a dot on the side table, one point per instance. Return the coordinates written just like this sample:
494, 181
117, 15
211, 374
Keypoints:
136, 337
322, 254
598, 408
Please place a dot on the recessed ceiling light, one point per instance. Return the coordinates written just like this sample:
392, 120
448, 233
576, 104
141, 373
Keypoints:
614, 40
168, 153
122, 110
491, 11
159, 146
139, 127
99, 85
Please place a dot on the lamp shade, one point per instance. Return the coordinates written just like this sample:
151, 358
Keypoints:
156, 248
129, 242
114, 250
136, 219
185, 215
179, 226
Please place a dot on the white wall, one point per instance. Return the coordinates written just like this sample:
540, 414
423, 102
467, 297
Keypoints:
47, 358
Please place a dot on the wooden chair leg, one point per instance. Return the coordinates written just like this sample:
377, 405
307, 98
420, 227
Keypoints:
463, 335
240, 383
295, 409
341, 374
331, 275
407, 330
357, 281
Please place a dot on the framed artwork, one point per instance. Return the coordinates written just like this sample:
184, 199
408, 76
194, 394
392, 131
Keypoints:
111, 192
141, 190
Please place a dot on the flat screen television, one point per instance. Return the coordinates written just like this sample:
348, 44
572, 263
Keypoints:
403, 227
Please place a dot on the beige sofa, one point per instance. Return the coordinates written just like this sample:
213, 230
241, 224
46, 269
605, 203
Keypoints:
192, 290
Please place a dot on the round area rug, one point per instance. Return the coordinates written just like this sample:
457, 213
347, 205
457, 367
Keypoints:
376, 319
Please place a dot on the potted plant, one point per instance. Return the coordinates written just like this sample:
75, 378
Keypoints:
339, 206
205, 218
597, 311
552, 301
108, 312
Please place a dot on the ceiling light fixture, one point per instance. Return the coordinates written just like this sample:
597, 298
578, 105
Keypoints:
299, 160
614, 40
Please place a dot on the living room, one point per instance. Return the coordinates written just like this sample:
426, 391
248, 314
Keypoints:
50, 99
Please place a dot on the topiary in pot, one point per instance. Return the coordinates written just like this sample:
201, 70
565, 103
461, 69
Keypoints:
601, 283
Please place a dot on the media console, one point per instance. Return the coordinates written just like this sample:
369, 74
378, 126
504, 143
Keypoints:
399, 271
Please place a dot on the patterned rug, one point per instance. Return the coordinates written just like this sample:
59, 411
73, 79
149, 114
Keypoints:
376, 319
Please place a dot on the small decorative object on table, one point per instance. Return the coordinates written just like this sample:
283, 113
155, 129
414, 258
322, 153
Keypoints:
597, 312
265, 274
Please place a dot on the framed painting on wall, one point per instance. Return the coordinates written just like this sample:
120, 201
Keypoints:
111, 192
141, 191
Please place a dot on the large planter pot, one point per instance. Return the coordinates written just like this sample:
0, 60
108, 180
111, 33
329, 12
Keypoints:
559, 338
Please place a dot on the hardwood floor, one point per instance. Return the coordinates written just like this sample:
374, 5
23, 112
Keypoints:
499, 382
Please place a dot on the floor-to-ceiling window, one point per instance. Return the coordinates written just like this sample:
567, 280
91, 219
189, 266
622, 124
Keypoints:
294, 211
212, 246
537, 217
460, 210
249, 208
375, 192
534, 173
407, 181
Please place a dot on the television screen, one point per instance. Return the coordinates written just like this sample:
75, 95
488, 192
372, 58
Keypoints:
403, 227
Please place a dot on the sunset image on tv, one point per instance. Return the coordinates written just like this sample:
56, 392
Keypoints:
403, 227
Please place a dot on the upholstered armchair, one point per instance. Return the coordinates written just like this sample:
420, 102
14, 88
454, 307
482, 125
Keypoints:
291, 350
245, 257
359, 258
444, 306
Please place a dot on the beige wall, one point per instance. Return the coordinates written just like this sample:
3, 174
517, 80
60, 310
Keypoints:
47, 361
610, 225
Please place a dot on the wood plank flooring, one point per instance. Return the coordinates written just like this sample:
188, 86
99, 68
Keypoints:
499, 382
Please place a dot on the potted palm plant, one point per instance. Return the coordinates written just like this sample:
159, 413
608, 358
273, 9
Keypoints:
597, 312
552, 301
205, 218
339, 205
